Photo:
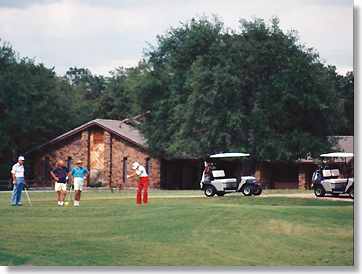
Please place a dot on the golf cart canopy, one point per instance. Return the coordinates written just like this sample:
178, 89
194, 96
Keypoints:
229, 155
338, 155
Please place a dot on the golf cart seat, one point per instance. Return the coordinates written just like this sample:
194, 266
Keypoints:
218, 173
228, 180
330, 173
219, 177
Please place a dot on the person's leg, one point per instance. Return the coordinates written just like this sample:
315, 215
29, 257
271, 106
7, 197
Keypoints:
19, 189
13, 195
139, 192
63, 193
57, 190
77, 197
76, 191
58, 197
78, 187
145, 190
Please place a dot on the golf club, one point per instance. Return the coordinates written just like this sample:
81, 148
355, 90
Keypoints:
70, 194
27, 195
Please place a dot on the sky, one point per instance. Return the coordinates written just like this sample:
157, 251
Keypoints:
105, 34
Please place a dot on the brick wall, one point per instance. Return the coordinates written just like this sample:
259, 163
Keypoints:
74, 147
107, 158
263, 174
302, 178
115, 150
121, 150
83, 153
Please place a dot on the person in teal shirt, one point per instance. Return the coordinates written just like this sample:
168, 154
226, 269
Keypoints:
80, 175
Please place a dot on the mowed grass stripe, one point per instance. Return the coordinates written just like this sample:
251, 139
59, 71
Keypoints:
227, 231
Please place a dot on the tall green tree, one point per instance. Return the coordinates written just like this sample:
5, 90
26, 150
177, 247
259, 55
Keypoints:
258, 89
87, 90
345, 92
35, 104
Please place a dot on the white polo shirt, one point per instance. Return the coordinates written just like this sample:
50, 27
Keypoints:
18, 170
141, 171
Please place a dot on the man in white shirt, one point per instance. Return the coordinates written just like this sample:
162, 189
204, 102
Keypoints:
140, 172
17, 173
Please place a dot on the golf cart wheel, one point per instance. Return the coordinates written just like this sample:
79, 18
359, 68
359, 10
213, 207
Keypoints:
246, 190
210, 191
257, 190
319, 191
220, 193
351, 193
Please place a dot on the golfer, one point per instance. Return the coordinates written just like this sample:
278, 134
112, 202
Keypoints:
60, 175
207, 173
140, 171
79, 174
17, 173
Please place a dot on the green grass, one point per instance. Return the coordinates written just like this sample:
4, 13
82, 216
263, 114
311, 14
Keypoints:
108, 229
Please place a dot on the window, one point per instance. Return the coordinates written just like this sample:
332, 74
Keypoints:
148, 166
125, 170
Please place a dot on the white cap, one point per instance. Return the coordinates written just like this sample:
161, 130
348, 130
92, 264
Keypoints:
135, 165
21, 158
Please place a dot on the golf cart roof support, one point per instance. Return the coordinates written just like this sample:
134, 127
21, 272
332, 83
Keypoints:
229, 155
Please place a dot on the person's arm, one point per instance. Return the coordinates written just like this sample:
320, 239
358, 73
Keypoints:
54, 177
85, 177
67, 176
86, 174
132, 175
13, 175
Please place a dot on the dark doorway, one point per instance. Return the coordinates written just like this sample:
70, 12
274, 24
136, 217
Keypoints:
181, 174
284, 175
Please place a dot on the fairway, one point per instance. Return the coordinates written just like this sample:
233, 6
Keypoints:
109, 229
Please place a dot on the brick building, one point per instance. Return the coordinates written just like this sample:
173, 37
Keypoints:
109, 147
106, 147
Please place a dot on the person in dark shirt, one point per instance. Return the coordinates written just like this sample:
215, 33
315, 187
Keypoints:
60, 175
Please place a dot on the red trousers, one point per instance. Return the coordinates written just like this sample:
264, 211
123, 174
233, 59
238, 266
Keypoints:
142, 185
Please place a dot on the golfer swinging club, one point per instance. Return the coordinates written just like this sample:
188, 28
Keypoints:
17, 173
140, 171
79, 174
60, 175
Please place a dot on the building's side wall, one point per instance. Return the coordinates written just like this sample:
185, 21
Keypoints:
266, 173
74, 147
263, 174
121, 150
115, 150
96, 155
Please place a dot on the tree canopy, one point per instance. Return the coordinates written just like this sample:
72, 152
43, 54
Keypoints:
209, 89
257, 89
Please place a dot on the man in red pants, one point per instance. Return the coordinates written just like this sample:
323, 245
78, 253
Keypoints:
140, 171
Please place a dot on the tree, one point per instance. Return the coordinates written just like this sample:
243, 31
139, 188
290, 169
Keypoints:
35, 104
87, 89
345, 93
258, 90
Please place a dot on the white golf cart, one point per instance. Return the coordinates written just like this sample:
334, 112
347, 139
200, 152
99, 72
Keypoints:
222, 175
327, 178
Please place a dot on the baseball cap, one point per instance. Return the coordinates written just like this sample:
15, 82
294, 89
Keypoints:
135, 165
21, 158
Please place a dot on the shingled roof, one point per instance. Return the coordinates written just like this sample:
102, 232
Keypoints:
120, 128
